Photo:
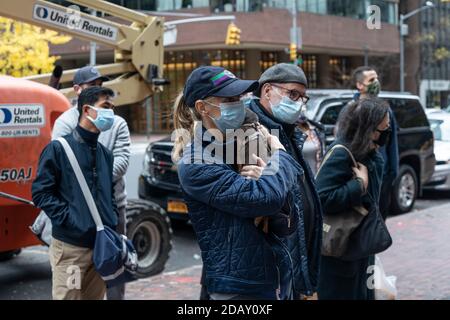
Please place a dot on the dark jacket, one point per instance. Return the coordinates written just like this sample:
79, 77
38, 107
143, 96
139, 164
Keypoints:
56, 189
339, 192
238, 257
305, 247
389, 152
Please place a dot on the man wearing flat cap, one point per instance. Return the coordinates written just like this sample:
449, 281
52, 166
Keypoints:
282, 96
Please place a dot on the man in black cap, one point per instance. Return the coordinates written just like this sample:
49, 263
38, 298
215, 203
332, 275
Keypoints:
87, 77
282, 96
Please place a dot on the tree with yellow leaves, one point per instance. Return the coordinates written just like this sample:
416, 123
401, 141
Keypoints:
24, 48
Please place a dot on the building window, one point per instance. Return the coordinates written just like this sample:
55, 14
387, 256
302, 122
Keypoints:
223, 5
388, 10
356, 9
232, 60
164, 5
236, 5
435, 52
148, 5
177, 67
309, 66
268, 59
118, 2
132, 4
313, 6
282, 4
161, 5
347, 8
340, 72
200, 3
249, 5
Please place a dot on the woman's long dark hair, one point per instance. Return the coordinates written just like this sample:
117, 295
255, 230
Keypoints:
358, 121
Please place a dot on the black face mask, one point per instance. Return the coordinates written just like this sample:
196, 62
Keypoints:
384, 136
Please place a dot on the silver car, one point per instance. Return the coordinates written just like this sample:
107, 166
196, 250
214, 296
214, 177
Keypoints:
440, 124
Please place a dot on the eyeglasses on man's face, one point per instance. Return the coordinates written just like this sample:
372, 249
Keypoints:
294, 95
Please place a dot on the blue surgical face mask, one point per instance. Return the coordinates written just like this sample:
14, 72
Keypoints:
287, 110
247, 100
104, 120
232, 115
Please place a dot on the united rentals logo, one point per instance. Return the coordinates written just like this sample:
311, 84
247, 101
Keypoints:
5, 116
42, 12
23, 115
72, 19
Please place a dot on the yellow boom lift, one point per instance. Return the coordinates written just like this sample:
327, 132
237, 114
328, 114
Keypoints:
139, 50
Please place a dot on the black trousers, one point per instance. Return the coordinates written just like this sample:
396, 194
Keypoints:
344, 280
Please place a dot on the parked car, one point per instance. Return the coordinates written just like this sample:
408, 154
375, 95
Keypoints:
159, 181
440, 124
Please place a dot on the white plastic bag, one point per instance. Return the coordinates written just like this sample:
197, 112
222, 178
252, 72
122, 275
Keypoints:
385, 286
42, 228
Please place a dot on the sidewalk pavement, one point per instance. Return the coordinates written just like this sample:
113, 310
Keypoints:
419, 258
420, 254
182, 284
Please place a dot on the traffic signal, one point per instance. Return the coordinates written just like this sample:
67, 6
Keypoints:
233, 35
293, 52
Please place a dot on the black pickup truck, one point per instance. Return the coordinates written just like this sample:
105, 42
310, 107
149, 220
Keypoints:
159, 181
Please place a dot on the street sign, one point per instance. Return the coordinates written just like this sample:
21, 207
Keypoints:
439, 85
170, 35
404, 30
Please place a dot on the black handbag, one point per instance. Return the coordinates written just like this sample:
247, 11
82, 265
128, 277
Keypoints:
356, 233
371, 237
337, 228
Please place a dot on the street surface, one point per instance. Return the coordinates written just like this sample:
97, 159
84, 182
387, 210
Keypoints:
419, 257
